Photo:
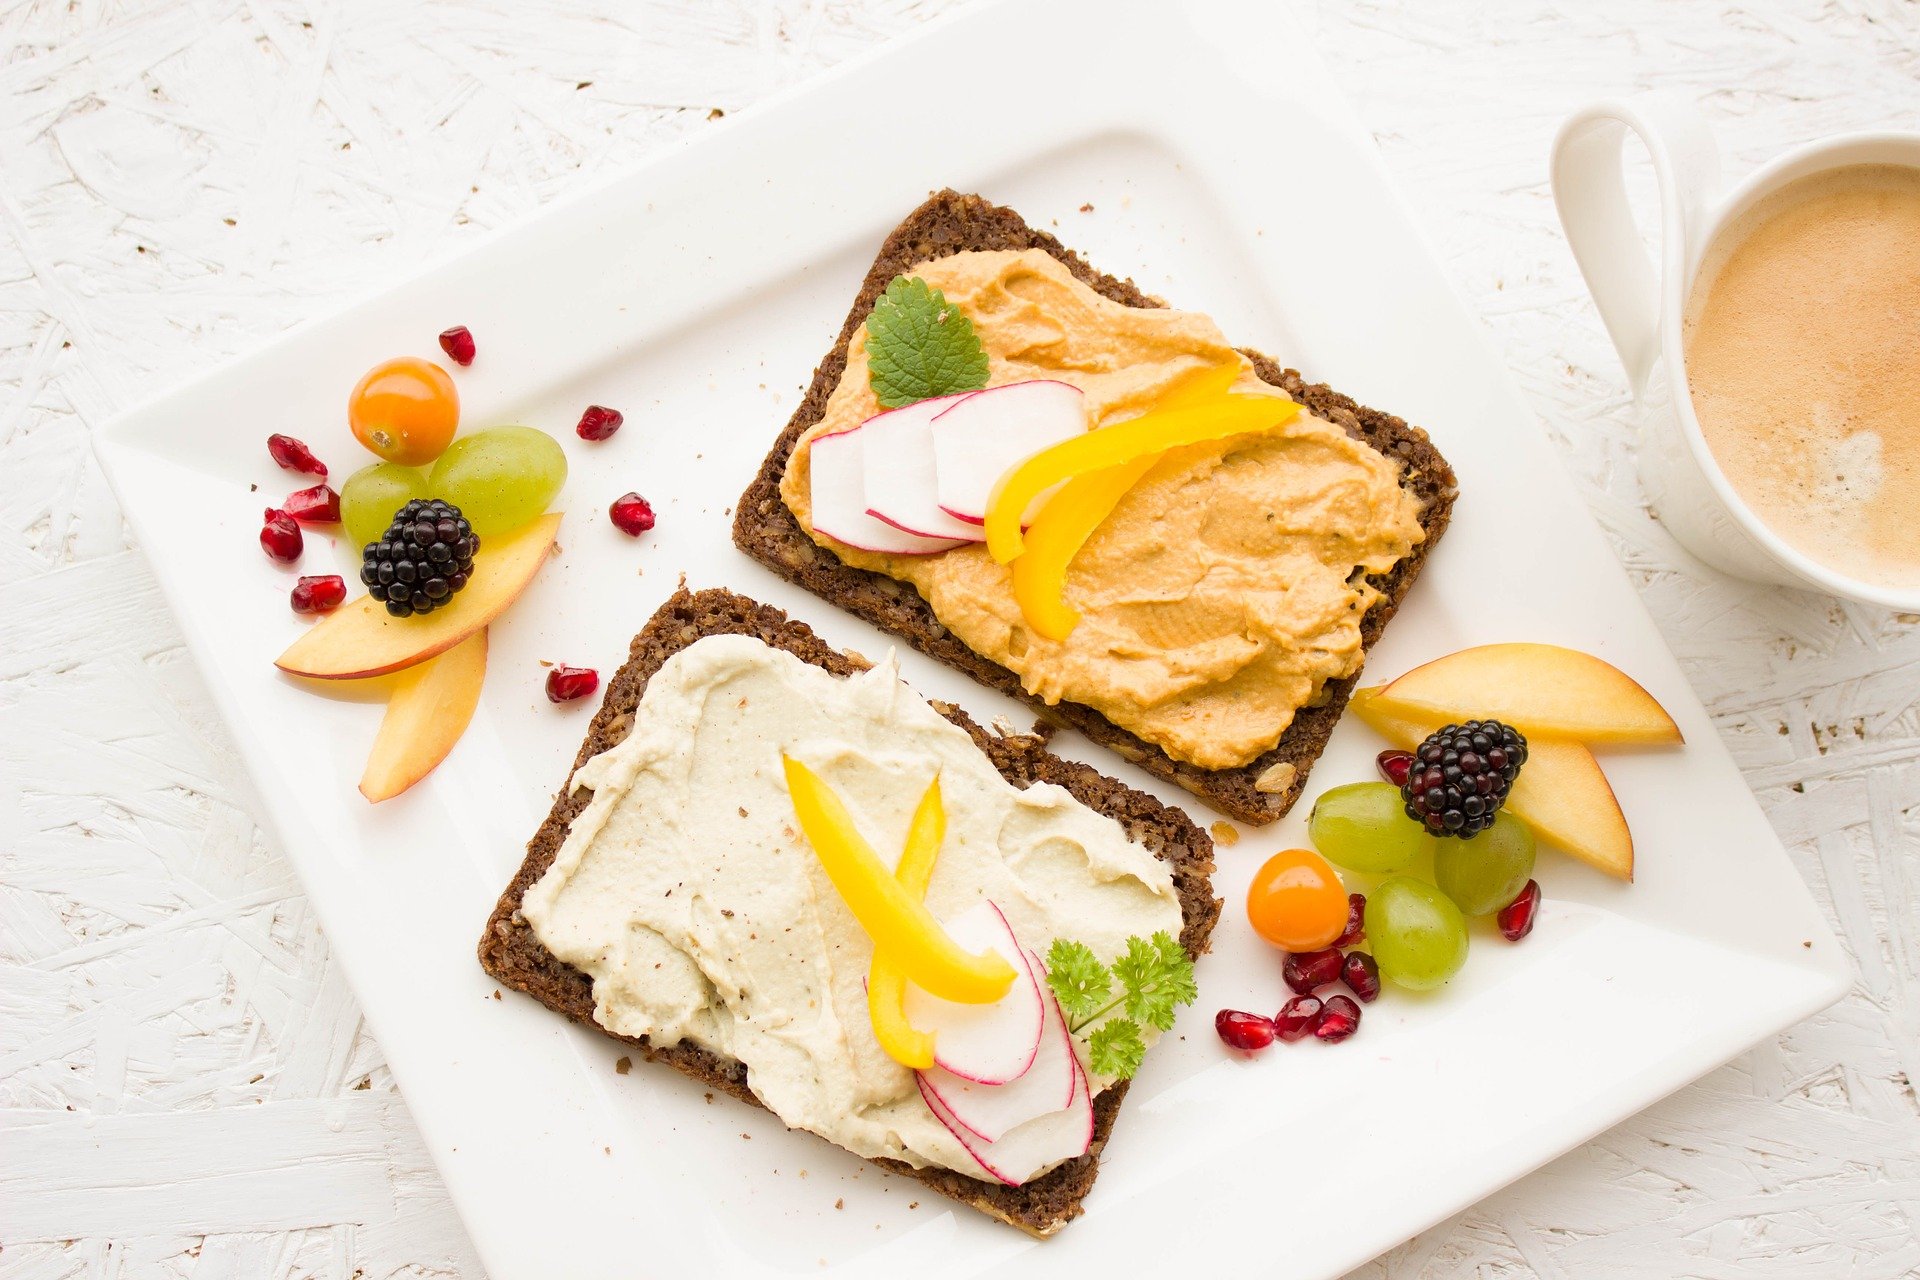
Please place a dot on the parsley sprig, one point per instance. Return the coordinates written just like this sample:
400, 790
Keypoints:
1154, 977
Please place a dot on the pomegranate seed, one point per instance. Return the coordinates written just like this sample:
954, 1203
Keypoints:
1516, 918
1245, 1031
1361, 973
1394, 766
1339, 1018
1307, 971
599, 422
280, 536
457, 342
295, 456
320, 594
631, 514
318, 505
1356, 930
1296, 1017
564, 683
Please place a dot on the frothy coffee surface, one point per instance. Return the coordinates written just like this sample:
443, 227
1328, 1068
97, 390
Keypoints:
1803, 357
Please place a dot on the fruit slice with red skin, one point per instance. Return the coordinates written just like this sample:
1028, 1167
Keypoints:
839, 495
1561, 792
978, 440
429, 709
1543, 690
361, 639
898, 470
988, 1044
1027, 1149
990, 1112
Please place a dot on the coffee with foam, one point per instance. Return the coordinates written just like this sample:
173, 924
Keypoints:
1803, 357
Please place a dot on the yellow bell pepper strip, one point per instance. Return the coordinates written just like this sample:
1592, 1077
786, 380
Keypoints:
898, 923
1153, 432
1055, 537
1209, 384
886, 980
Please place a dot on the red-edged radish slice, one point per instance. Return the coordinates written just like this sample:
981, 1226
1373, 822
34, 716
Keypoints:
976, 441
988, 1044
990, 1112
897, 466
840, 503
1038, 1144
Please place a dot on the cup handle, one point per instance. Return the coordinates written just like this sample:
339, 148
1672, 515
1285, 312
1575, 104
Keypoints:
1590, 192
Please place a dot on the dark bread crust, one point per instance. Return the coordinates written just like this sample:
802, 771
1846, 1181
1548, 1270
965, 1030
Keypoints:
765, 529
511, 953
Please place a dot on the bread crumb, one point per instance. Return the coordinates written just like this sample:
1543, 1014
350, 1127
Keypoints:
496, 993
913, 1204
1225, 833
749, 1138
840, 1203
1087, 207
606, 1151
623, 1066
709, 1097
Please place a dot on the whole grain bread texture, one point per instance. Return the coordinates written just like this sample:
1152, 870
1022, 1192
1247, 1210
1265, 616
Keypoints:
764, 528
514, 956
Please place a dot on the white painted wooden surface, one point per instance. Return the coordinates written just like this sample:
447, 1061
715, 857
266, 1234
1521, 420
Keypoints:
184, 1086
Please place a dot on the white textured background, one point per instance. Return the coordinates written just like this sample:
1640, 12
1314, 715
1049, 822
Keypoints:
184, 1087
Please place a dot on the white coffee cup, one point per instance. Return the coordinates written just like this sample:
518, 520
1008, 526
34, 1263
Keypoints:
1643, 309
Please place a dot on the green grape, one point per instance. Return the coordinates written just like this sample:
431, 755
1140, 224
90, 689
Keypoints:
1417, 935
372, 494
500, 478
1485, 873
1364, 826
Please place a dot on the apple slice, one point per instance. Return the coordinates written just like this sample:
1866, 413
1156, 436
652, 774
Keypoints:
361, 638
989, 1112
978, 440
988, 1044
896, 450
1026, 1149
430, 708
840, 501
1561, 792
1539, 689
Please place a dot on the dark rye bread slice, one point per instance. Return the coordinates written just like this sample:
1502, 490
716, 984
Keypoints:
765, 529
511, 953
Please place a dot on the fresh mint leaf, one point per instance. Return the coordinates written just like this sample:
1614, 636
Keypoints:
919, 345
1077, 977
1116, 1049
1156, 977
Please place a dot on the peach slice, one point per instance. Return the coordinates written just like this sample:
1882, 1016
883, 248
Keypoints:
430, 708
1561, 792
361, 639
1539, 689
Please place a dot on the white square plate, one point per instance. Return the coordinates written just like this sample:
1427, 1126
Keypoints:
696, 294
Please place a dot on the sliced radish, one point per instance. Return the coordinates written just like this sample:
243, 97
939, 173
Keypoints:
977, 440
897, 465
1029, 1148
989, 1112
988, 1044
840, 503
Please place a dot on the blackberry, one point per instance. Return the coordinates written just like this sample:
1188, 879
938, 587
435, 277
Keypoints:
422, 560
1461, 775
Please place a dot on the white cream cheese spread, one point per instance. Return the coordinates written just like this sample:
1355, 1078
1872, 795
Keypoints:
686, 891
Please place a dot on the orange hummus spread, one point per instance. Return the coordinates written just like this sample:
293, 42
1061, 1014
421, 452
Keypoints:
1227, 586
